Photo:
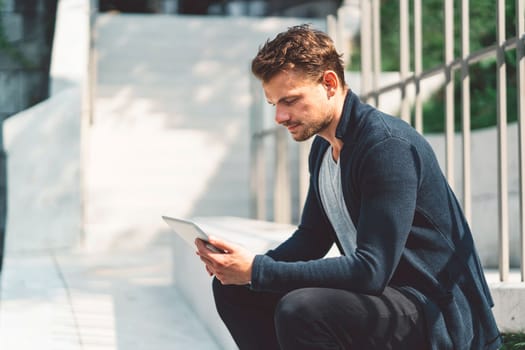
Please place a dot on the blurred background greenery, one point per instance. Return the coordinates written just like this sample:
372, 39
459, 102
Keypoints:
482, 74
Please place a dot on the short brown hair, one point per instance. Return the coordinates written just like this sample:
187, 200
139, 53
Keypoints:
302, 48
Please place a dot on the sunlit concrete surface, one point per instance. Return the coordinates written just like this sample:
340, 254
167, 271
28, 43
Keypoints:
170, 134
96, 302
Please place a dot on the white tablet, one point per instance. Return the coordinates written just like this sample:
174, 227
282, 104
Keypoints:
188, 231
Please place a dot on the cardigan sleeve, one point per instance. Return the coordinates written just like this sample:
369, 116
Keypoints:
387, 180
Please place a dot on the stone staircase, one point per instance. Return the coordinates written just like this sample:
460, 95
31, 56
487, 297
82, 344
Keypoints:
92, 267
170, 136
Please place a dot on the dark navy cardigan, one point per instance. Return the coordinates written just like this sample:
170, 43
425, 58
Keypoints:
411, 232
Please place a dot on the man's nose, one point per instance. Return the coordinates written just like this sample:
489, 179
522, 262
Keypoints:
281, 115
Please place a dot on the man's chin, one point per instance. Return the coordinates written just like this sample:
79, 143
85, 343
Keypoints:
301, 137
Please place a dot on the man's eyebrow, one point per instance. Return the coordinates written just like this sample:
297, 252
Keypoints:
282, 99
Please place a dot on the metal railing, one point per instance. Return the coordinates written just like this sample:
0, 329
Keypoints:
3, 193
448, 69
283, 187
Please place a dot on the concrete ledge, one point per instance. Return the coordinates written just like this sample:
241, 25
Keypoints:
259, 236
42, 144
509, 306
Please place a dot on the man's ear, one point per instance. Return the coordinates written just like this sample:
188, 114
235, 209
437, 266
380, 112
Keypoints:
330, 82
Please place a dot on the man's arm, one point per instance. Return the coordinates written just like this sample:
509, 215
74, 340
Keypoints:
311, 240
388, 178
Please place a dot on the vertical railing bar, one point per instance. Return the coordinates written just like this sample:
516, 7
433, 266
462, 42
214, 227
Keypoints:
520, 72
257, 158
376, 37
404, 52
418, 64
465, 109
304, 174
502, 146
282, 195
449, 90
88, 106
341, 45
366, 49
331, 28
3, 193
260, 168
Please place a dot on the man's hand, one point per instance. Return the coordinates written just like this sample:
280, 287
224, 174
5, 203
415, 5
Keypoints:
232, 267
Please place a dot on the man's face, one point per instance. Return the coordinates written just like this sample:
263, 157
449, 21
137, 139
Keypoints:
301, 105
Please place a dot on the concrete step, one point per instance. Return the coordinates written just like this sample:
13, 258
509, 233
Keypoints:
171, 123
123, 300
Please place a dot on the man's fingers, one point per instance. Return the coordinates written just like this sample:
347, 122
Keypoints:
201, 245
208, 264
222, 245
207, 261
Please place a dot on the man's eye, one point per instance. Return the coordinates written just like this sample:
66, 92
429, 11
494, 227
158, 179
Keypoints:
290, 101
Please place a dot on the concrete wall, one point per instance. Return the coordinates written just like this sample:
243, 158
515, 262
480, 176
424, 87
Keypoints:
484, 186
43, 145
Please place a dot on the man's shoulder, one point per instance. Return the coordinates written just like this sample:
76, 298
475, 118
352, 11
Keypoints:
379, 126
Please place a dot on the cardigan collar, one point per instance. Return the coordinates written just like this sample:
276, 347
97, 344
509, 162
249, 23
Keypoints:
344, 123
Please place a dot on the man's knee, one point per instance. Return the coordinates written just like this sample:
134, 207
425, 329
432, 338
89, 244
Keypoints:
232, 296
294, 315
294, 306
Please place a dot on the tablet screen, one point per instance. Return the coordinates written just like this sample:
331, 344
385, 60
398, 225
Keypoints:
188, 231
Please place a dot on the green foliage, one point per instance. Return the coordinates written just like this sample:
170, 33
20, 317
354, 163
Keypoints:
482, 75
513, 341
483, 97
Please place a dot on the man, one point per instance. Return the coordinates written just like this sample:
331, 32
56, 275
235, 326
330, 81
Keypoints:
409, 276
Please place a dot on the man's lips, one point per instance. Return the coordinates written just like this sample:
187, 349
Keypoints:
291, 126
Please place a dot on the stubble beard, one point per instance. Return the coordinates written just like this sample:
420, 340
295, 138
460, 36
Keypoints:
312, 129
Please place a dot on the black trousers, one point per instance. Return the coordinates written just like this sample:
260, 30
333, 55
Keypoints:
321, 318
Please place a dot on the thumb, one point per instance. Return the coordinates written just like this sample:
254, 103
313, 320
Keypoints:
221, 244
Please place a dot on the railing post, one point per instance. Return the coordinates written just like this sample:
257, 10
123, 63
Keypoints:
331, 29
465, 108
520, 71
449, 89
502, 145
418, 64
3, 193
376, 48
304, 174
282, 195
404, 59
366, 49
257, 160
